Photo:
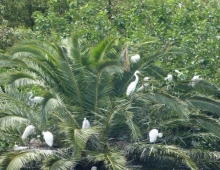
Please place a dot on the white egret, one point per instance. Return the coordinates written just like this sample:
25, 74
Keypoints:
85, 124
35, 100
28, 131
195, 80
169, 78
143, 87
153, 134
132, 86
94, 168
18, 148
135, 58
48, 137
146, 78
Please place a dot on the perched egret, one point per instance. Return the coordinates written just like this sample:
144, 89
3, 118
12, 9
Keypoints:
135, 58
132, 86
194, 80
94, 168
177, 71
169, 78
35, 100
48, 137
28, 131
153, 134
18, 148
85, 124
143, 87
146, 78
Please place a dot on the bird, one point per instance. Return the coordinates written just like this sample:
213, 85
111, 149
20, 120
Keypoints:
28, 131
177, 71
195, 80
85, 124
169, 78
94, 168
153, 134
132, 86
48, 137
135, 58
34, 101
146, 78
18, 148
143, 87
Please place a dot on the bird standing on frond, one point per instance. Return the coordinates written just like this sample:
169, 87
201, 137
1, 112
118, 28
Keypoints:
28, 131
135, 58
143, 87
195, 80
48, 137
132, 86
18, 148
85, 124
35, 100
153, 134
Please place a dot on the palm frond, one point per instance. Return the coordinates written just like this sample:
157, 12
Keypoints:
17, 160
178, 106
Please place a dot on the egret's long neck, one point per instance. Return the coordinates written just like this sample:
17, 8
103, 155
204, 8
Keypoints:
136, 78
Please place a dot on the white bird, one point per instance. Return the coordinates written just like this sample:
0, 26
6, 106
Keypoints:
85, 124
143, 87
94, 168
194, 80
135, 58
34, 101
48, 137
132, 86
169, 78
177, 71
153, 134
28, 131
18, 148
146, 78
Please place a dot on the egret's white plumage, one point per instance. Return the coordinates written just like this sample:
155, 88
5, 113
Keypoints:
48, 137
132, 86
195, 80
153, 134
146, 78
28, 131
94, 168
169, 78
177, 71
85, 124
35, 100
18, 148
135, 58
143, 87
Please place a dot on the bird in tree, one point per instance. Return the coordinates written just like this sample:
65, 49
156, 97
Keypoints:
85, 124
48, 137
132, 86
94, 168
18, 148
195, 80
153, 134
143, 87
27, 132
135, 58
35, 100
169, 78
146, 78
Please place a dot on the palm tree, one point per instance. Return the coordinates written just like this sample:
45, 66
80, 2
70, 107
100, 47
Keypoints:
77, 82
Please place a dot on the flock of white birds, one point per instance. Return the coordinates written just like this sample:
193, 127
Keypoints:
153, 134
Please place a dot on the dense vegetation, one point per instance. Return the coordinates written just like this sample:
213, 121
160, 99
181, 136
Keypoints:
76, 55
